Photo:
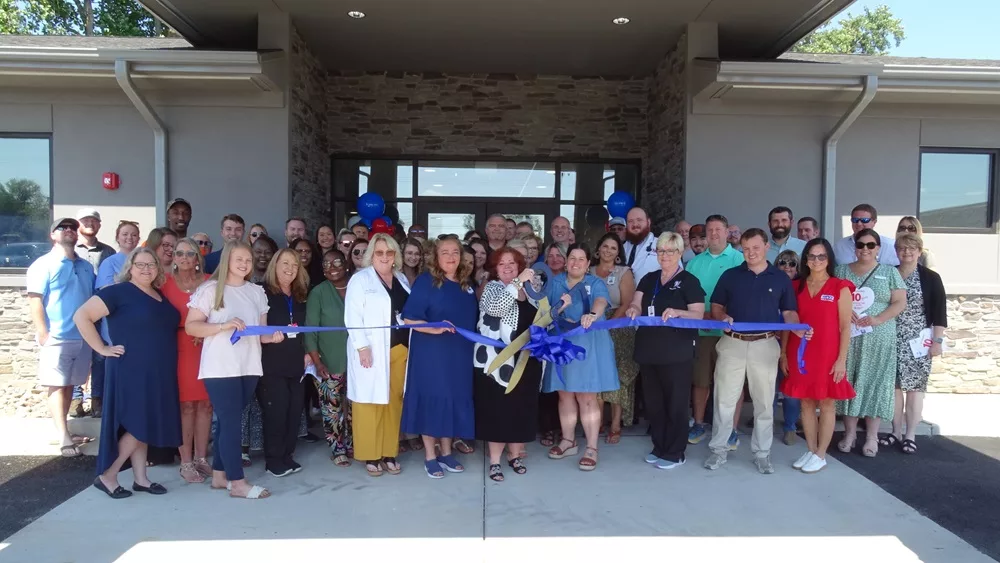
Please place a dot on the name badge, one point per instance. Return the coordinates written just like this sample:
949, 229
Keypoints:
587, 288
611, 280
826, 297
880, 277
651, 311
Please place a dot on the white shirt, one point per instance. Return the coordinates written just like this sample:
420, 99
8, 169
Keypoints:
844, 249
220, 358
644, 261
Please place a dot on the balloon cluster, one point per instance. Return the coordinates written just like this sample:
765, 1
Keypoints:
619, 204
375, 213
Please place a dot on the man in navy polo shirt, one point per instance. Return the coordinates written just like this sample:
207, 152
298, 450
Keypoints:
753, 292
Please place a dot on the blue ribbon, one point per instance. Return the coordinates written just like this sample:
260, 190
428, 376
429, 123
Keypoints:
555, 347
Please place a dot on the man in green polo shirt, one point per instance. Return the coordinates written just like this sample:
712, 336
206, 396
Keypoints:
708, 268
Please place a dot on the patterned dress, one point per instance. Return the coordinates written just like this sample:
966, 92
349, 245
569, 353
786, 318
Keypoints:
624, 342
911, 373
871, 358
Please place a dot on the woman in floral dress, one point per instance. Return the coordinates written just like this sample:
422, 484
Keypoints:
871, 361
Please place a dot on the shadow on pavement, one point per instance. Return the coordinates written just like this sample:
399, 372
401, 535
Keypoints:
954, 481
30, 486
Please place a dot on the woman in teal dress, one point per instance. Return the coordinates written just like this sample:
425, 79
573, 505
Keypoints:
871, 360
580, 299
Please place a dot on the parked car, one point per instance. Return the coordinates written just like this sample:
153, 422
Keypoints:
22, 254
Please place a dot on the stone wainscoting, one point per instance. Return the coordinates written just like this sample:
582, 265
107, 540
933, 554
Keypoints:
970, 364
971, 361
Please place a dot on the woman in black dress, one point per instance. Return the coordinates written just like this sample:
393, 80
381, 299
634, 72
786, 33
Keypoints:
504, 419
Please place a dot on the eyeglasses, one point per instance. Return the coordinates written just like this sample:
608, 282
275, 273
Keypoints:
385, 253
335, 264
144, 265
908, 249
816, 257
207, 243
668, 251
789, 263
185, 253
358, 251
862, 220
910, 228
868, 245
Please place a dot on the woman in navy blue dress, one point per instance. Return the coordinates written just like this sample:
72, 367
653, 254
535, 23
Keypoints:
141, 402
438, 400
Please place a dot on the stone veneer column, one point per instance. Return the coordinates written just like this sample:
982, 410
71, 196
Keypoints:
663, 176
309, 157
971, 362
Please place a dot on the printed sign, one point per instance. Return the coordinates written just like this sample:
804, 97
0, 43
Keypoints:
863, 299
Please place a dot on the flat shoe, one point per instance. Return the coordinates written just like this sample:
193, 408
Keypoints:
153, 489
118, 493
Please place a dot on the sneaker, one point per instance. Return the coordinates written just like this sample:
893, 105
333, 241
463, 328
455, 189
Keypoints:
309, 438
280, 472
690, 421
697, 433
815, 464
667, 464
764, 465
734, 441
789, 438
650, 458
802, 460
76, 408
714, 462
294, 466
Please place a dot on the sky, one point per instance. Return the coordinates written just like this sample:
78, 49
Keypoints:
951, 29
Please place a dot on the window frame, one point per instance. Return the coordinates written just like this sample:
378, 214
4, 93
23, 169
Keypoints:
993, 198
5, 270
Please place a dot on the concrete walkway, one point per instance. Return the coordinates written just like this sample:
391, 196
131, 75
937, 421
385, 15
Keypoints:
555, 512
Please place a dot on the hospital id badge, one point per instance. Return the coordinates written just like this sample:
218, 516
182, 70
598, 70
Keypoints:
292, 334
651, 311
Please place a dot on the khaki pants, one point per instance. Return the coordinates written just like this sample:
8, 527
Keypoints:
739, 361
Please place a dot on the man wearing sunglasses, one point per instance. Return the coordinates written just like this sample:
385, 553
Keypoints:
864, 216
58, 283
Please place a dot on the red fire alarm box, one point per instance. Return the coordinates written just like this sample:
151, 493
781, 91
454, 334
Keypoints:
111, 181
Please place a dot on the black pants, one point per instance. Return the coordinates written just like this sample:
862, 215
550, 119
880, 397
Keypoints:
548, 412
280, 401
667, 394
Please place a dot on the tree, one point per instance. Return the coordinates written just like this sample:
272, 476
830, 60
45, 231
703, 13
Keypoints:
871, 33
24, 209
118, 18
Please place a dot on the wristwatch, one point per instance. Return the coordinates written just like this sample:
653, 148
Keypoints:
939, 340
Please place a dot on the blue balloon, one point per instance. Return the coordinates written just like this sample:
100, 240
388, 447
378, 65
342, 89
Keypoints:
367, 222
620, 203
371, 206
387, 219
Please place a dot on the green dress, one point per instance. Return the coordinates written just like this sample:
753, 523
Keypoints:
871, 358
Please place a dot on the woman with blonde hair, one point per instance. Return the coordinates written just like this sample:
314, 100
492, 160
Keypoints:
376, 357
162, 241
141, 406
256, 231
228, 302
280, 391
911, 225
196, 410
438, 402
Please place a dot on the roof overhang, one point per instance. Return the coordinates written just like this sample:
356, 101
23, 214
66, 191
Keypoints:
840, 82
155, 69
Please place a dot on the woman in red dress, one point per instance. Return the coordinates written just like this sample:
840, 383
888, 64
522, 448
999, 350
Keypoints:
825, 305
196, 410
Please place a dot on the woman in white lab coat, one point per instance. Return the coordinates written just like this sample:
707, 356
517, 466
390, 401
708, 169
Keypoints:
376, 357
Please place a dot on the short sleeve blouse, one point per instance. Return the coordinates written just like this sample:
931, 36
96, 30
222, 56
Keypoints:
663, 345
219, 357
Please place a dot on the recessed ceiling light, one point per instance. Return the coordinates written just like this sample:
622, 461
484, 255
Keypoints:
356, 14
620, 21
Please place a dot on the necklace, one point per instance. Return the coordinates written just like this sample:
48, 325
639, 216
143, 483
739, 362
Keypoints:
338, 287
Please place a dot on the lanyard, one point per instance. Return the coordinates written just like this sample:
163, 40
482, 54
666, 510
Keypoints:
291, 317
656, 288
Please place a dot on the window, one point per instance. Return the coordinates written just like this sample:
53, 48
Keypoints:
486, 179
957, 189
25, 199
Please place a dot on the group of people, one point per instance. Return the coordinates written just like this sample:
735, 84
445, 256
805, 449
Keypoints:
397, 375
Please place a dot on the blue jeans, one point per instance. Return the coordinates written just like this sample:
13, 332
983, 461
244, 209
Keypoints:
791, 408
229, 395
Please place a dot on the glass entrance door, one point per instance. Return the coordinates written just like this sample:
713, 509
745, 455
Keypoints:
459, 217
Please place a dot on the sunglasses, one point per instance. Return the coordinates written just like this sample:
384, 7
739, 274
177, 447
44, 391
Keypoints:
862, 220
207, 243
385, 253
868, 245
358, 251
910, 228
418, 232
255, 234
789, 263
127, 222
185, 253
334, 264
65, 228
346, 243
816, 257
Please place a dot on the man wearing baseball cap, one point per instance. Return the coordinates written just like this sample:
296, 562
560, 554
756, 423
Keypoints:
58, 283
95, 252
617, 226
179, 216
359, 229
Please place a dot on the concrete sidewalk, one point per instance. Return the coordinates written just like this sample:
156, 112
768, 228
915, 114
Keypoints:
554, 512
